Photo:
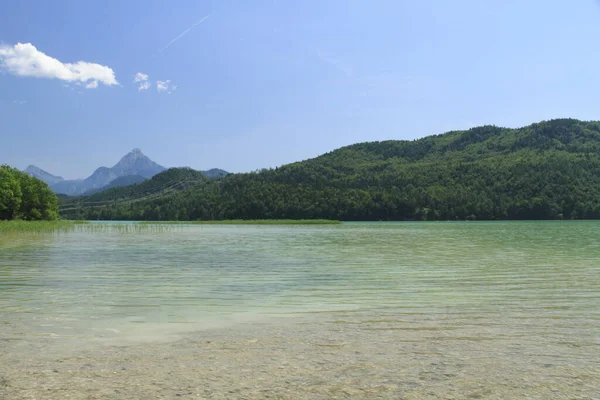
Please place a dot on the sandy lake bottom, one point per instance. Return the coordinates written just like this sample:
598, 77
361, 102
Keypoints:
317, 358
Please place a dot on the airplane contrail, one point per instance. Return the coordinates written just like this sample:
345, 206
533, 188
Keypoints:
182, 34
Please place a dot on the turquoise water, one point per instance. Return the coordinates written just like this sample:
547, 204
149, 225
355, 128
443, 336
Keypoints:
90, 282
530, 283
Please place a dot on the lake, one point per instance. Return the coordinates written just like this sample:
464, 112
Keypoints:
497, 310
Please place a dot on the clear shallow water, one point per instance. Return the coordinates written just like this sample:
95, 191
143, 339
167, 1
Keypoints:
107, 282
524, 289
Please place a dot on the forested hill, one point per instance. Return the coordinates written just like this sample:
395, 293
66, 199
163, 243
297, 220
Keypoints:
121, 181
162, 185
548, 170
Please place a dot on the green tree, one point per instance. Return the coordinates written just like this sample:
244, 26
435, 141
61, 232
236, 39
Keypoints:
25, 197
10, 193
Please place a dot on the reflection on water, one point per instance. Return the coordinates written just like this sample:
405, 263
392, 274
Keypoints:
524, 288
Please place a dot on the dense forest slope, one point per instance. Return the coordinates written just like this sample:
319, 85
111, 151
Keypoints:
126, 180
25, 197
548, 170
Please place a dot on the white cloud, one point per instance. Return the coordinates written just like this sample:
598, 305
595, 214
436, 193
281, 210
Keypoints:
144, 86
162, 86
165, 86
142, 80
19, 102
23, 59
140, 77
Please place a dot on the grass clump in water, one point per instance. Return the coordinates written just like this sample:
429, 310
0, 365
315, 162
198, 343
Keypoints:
15, 228
249, 222
18, 226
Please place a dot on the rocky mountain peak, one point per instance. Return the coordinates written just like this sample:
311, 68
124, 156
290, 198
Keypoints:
134, 163
135, 158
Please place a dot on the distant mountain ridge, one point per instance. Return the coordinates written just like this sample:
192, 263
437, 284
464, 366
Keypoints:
133, 163
134, 167
42, 175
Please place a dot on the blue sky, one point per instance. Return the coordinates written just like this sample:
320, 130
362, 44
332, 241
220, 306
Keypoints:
263, 83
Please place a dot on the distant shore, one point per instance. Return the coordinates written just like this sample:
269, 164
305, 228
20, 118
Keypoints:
250, 222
